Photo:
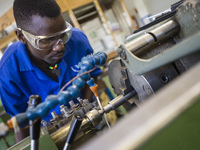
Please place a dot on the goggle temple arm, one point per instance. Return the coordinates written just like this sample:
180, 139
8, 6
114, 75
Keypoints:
59, 41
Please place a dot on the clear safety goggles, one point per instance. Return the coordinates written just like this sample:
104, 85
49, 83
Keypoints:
47, 42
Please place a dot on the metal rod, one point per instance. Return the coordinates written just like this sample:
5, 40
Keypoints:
118, 101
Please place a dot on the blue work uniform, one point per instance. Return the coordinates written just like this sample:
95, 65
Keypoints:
20, 78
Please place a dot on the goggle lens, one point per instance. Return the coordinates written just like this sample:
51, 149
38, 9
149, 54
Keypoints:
47, 42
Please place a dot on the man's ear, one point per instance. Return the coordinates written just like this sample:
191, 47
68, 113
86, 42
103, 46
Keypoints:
20, 36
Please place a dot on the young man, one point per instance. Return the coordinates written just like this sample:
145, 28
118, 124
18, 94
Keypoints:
44, 58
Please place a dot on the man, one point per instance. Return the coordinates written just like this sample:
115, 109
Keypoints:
45, 57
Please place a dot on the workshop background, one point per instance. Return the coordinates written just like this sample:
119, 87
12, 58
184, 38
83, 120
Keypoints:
107, 24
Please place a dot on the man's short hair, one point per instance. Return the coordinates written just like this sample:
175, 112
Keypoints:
24, 10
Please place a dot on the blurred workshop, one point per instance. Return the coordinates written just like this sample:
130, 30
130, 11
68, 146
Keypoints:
149, 91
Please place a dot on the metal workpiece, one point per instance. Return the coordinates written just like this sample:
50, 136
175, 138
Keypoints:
95, 117
66, 115
65, 111
60, 136
118, 101
86, 125
165, 31
135, 35
56, 120
150, 38
140, 66
55, 116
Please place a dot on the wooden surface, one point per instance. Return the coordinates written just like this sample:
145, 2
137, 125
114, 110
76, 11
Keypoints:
5, 41
77, 3
74, 20
7, 19
128, 14
104, 20
111, 55
63, 5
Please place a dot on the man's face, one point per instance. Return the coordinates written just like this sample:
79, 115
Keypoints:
42, 26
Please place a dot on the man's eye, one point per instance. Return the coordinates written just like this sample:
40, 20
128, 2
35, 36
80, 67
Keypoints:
45, 41
63, 35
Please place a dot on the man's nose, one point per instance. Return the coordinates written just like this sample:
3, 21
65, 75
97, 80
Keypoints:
58, 46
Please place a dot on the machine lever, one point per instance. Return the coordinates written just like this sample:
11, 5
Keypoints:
74, 128
34, 100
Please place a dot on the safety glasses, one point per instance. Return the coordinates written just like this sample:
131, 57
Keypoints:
48, 42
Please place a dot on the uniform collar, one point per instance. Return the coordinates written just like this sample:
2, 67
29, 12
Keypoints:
25, 63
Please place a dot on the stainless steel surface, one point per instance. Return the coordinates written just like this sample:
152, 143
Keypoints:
133, 36
34, 144
114, 72
60, 136
150, 38
66, 147
94, 116
139, 66
118, 76
118, 101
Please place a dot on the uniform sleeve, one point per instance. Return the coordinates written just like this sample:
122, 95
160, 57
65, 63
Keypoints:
90, 50
13, 100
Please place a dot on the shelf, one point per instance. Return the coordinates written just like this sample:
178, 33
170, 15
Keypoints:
9, 38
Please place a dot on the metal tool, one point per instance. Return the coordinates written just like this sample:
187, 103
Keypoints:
34, 100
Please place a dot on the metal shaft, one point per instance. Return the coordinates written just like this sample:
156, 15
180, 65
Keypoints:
150, 38
118, 101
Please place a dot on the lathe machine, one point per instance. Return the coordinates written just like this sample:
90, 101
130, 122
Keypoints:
156, 77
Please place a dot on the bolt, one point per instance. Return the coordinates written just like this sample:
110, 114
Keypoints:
119, 50
123, 55
71, 103
54, 115
80, 100
164, 78
147, 89
85, 101
44, 123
